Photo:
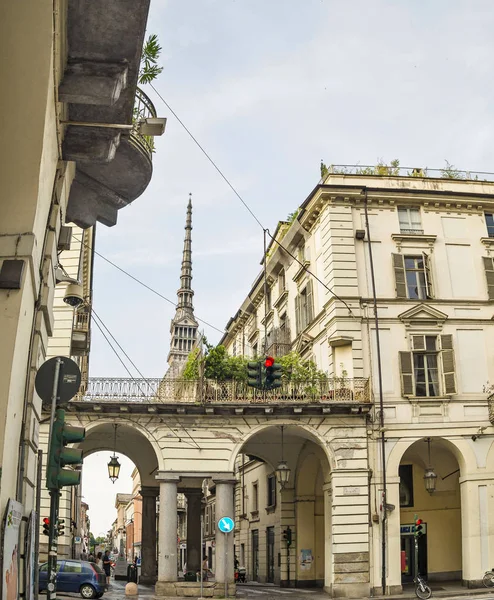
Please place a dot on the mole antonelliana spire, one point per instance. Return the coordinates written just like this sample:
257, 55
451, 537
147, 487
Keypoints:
183, 327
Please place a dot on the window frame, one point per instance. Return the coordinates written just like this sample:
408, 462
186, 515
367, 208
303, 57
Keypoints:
489, 226
401, 279
271, 491
410, 229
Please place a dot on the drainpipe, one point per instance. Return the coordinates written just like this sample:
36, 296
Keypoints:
381, 401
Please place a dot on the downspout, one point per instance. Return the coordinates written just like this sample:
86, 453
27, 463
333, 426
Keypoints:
381, 400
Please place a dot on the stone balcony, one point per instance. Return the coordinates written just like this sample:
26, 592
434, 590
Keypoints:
178, 396
103, 104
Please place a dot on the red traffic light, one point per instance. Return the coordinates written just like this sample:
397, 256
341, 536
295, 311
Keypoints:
46, 521
418, 522
269, 362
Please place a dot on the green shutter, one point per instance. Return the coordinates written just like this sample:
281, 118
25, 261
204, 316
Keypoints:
489, 274
428, 278
400, 279
406, 372
418, 342
448, 364
297, 313
310, 302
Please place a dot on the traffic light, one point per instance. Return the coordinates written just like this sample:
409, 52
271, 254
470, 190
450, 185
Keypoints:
272, 378
254, 376
60, 526
287, 536
62, 434
419, 529
46, 526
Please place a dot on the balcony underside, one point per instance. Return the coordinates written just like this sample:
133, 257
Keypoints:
101, 189
105, 40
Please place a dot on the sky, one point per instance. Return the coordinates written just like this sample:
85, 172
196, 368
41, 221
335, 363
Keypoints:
269, 88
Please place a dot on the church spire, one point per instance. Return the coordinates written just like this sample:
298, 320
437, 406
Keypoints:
183, 327
185, 292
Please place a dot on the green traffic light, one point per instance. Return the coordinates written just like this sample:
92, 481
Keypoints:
62, 433
254, 378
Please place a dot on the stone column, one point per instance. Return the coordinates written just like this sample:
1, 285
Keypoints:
168, 522
328, 546
194, 550
224, 541
149, 566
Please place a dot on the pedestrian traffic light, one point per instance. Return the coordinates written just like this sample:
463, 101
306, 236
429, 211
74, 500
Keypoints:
60, 526
287, 536
419, 529
272, 378
254, 377
62, 434
46, 526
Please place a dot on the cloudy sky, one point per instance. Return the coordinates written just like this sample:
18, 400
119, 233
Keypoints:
269, 87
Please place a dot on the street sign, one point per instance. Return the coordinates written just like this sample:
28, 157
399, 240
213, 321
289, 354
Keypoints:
69, 380
226, 524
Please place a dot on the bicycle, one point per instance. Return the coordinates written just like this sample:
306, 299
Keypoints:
422, 590
488, 578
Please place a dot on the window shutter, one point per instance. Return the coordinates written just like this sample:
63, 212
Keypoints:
427, 272
310, 302
418, 342
297, 313
400, 280
406, 372
489, 274
448, 363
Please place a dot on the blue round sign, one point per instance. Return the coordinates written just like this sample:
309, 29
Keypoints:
225, 525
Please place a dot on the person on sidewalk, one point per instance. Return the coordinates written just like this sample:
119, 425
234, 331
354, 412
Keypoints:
107, 566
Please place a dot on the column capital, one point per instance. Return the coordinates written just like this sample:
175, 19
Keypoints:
167, 477
225, 479
147, 491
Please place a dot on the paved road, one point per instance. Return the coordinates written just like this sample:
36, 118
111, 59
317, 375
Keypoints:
266, 592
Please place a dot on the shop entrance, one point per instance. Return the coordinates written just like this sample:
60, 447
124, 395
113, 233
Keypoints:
408, 553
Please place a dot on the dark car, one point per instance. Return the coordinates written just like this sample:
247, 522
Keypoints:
76, 576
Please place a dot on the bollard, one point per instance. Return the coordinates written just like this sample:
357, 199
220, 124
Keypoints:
131, 589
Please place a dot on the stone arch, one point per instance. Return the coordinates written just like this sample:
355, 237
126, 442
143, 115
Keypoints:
133, 441
459, 448
302, 430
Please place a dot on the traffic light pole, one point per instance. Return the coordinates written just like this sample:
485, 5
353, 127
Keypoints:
54, 500
53, 546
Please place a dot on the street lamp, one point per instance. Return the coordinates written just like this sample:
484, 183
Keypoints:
282, 470
430, 476
114, 465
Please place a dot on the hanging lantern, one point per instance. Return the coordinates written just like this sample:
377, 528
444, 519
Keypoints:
282, 470
114, 465
430, 476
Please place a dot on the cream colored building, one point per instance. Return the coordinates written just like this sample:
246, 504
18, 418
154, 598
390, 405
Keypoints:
432, 243
76, 70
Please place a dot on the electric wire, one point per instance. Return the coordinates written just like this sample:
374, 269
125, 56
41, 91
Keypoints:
144, 284
230, 185
98, 318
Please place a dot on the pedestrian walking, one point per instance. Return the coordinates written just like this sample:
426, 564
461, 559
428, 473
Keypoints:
99, 559
107, 566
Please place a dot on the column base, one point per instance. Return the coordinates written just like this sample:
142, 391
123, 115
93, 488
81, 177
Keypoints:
148, 579
192, 589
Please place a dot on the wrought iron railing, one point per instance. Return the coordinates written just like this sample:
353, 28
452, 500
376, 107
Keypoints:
490, 404
384, 170
330, 390
143, 108
81, 321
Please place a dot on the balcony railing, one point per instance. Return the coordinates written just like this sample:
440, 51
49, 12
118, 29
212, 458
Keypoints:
383, 170
337, 390
143, 109
81, 321
490, 404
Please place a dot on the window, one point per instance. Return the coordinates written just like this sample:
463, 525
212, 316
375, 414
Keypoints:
255, 497
271, 491
406, 485
429, 369
409, 220
234, 349
72, 567
489, 221
413, 276
254, 350
281, 281
489, 274
304, 308
268, 298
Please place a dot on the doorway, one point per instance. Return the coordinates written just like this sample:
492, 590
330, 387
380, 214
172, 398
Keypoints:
270, 554
407, 545
255, 555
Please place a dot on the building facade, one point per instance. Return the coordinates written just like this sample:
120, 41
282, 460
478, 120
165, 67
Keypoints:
432, 245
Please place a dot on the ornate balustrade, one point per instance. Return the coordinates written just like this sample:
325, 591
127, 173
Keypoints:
336, 390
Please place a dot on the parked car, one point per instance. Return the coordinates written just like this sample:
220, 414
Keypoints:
76, 576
